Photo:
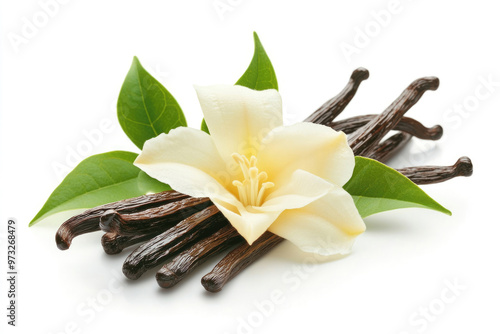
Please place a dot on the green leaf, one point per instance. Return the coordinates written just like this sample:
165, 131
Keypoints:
260, 73
204, 126
376, 187
145, 107
99, 179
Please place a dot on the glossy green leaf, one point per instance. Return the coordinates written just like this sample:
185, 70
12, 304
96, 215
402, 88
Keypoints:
260, 73
376, 187
99, 179
145, 107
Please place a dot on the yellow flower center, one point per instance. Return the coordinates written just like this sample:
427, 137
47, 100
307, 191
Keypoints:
251, 190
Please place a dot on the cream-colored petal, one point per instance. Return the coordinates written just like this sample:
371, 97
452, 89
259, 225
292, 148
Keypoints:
327, 226
249, 223
315, 148
187, 160
239, 118
301, 189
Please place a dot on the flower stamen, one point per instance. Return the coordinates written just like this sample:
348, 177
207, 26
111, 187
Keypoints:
252, 190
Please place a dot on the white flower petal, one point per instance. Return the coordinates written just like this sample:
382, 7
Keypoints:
301, 189
315, 148
327, 226
238, 117
187, 160
249, 224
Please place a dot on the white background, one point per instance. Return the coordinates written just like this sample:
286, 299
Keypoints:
64, 80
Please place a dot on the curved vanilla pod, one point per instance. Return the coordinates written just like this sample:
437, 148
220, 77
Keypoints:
406, 124
173, 241
333, 107
154, 219
179, 267
437, 174
88, 221
237, 260
384, 151
368, 136
113, 243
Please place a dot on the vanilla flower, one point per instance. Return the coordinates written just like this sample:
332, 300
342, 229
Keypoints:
260, 174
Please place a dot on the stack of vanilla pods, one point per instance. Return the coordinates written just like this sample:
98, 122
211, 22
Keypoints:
181, 232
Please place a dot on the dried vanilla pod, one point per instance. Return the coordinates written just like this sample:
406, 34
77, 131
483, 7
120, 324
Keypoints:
88, 221
406, 124
333, 107
173, 241
154, 219
384, 151
365, 138
437, 174
113, 243
179, 267
237, 260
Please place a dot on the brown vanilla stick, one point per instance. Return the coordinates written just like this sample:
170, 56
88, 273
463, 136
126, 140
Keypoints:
179, 267
88, 221
173, 241
365, 138
333, 107
384, 151
406, 124
154, 219
436, 174
113, 243
237, 260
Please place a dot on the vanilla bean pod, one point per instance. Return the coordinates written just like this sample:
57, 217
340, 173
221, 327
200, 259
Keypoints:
173, 241
88, 221
175, 270
436, 174
114, 243
333, 107
389, 147
406, 124
237, 260
365, 138
153, 219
